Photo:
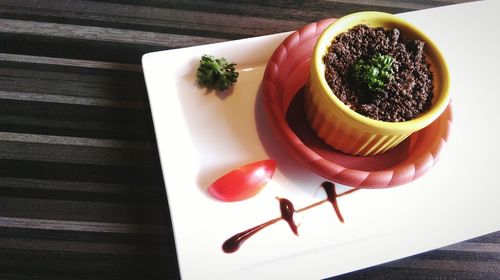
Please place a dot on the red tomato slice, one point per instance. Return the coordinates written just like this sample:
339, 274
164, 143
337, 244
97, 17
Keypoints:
244, 182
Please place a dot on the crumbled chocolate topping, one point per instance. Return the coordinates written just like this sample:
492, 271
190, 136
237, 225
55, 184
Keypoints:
407, 95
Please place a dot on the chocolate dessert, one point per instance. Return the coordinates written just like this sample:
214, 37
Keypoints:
379, 74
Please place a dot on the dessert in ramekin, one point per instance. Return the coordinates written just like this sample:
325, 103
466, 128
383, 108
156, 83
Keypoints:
352, 132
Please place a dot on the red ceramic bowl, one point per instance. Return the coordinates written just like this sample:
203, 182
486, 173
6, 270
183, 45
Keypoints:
282, 88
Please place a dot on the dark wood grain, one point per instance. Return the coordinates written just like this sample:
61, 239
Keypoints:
81, 190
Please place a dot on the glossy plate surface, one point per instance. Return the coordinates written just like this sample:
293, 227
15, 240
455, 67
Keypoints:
201, 136
286, 74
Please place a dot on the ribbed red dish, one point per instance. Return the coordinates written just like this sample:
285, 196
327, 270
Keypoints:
286, 74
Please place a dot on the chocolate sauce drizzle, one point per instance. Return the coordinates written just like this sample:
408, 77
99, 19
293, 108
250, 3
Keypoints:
287, 211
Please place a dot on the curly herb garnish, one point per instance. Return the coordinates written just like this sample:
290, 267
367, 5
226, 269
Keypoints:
376, 72
216, 73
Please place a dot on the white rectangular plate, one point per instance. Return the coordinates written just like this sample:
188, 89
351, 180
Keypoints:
203, 135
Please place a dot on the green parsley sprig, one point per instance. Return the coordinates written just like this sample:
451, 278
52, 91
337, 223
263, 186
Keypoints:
376, 72
216, 73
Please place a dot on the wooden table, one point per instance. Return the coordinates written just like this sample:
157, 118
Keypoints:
81, 190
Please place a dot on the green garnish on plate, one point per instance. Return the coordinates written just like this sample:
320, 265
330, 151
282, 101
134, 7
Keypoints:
216, 73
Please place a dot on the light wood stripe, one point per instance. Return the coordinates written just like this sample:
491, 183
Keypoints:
69, 62
446, 264
473, 247
75, 246
47, 224
73, 186
66, 99
73, 154
387, 3
73, 141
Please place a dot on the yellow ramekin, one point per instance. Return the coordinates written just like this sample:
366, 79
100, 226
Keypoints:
348, 131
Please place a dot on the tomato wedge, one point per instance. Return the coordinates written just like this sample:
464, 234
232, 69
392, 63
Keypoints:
243, 182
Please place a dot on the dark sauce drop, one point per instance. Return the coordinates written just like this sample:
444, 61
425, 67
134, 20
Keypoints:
331, 195
233, 244
287, 212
